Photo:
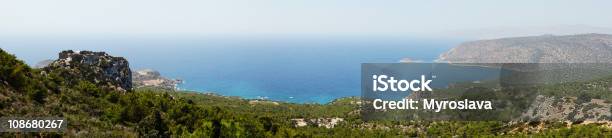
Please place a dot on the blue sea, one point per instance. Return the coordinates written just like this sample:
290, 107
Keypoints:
292, 69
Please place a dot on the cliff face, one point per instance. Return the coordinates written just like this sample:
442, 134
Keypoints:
586, 48
96, 67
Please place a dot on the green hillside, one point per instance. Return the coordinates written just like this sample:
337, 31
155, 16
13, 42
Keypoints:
149, 112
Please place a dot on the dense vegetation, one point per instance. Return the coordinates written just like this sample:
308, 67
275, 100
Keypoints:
149, 112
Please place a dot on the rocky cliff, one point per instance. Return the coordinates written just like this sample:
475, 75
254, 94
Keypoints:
96, 67
585, 48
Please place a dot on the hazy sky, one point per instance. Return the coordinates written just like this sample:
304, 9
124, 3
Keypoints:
23, 17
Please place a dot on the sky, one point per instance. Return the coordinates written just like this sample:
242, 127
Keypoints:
257, 17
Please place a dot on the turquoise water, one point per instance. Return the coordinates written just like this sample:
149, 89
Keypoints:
293, 69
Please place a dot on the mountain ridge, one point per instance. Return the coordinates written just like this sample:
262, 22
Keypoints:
583, 48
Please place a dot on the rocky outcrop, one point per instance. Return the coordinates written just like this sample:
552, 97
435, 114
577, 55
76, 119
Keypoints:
152, 78
318, 122
263, 102
569, 109
299, 122
96, 67
586, 48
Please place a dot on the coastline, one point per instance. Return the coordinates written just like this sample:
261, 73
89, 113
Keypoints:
258, 98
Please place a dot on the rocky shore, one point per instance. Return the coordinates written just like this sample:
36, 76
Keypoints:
152, 78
